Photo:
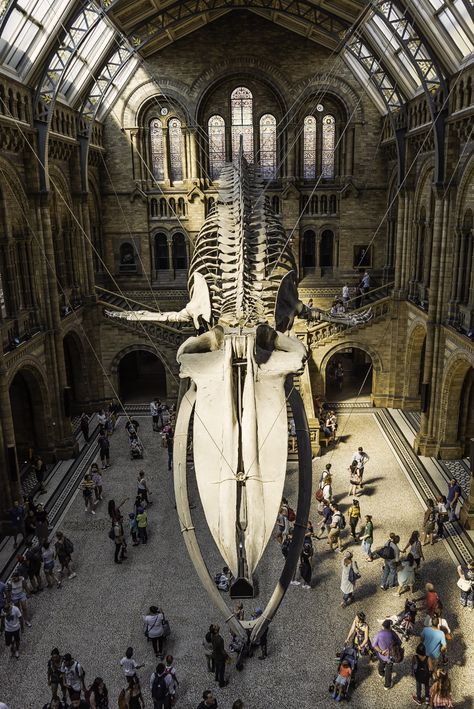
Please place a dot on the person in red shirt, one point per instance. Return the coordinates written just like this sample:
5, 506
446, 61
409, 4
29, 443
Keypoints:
431, 602
343, 679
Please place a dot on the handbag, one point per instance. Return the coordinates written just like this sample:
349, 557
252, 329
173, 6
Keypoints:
353, 575
463, 584
166, 627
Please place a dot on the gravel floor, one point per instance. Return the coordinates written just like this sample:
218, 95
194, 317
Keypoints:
98, 614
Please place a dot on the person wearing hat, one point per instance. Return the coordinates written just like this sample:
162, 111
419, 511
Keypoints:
350, 574
358, 634
383, 644
466, 584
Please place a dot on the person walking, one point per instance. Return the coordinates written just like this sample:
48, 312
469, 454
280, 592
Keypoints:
207, 645
11, 623
367, 537
442, 515
339, 376
354, 478
434, 641
63, 553
169, 446
406, 575
452, 498
40, 472
17, 518
73, 676
17, 590
416, 548
130, 667
429, 520
133, 698
32, 556
359, 634
305, 564
142, 524
350, 574
133, 527
422, 675
391, 557
98, 694
385, 645
219, 655
208, 700
98, 482
361, 458
161, 687
142, 487
155, 411
42, 525
55, 676
466, 584
119, 541
440, 692
337, 522
104, 448
84, 424
153, 628
87, 486
282, 524
354, 517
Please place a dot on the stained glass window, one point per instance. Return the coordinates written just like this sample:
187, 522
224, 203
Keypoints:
329, 141
216, 130
268, 146
309, 148
175, 137
242, 121
156, 145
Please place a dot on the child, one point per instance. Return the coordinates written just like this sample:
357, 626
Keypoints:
342, 681
142, 522
97, 480
354, 517
132, 523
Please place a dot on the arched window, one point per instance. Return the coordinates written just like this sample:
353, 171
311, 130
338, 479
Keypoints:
162, 261
323, 204
127, 257
329, 142
268, 146
332, 204
153, 208
309, 148
178, 250
210, 202
216, 130
308, 255
314, 204
242, 121
156, 149
175, 137
181, 207
326, 250
163, 207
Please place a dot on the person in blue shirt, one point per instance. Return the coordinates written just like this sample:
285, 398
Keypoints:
434, 641
454, 493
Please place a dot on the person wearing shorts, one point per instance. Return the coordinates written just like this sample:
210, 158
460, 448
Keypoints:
11, 624
18, 589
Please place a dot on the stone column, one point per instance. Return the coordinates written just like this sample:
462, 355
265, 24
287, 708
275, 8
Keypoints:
193, 151
11, 486
184, 155
291, 149
398, 289
466, 516
349, 152
88, 247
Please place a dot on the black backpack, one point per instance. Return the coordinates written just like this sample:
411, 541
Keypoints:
285, 546
159, 689
387, 552
68, 546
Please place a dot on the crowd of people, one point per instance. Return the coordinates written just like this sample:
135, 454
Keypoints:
47, 562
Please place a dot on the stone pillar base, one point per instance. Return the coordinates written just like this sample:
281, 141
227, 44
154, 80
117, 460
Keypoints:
450, 452
425, 446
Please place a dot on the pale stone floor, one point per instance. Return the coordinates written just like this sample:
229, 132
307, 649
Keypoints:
98, 614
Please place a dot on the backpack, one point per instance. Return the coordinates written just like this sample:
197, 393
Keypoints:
68, 546
341, 522
291, 514
285, 546
159, 689
387, 552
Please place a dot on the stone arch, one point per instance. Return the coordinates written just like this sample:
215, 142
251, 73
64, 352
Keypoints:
340, 90
161, 373
414, 362
457, 369
377, 364
464, 188
144, 92
76, 371
12, 187
30, 408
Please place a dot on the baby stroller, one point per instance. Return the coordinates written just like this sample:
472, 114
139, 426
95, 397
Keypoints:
136, 449
345, 680
405, 621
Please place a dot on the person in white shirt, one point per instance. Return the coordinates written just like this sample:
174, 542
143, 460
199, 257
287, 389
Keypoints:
155, 411
346, 296
361, 459
153, 623
11, 623
130, 667
365, 281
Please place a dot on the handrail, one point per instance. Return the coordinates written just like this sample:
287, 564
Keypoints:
372, 290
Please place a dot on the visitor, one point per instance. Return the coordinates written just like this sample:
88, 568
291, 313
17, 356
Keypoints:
434, 641
17, 590
63, 552
354, 517
153, 628
326, 514
466, 584
440, 692
98, 482
77, 702
349, 576
142, 524
73, 676
42, 525
11, 623
17, 518
346, 296
361, 458
133, 698
416, 549
282, 524
104, 448
132, 427
422, 674
391, 559
326, 473
406, 575
431, 603
354, 479
452, 498
84, 424
55, 703
359, 634
40, 472
207, 645
442, 515
55, 676
367, 538
305, 565
170, 669
102, 419
32, 556
208, 700
161, 686
87, 486
385, 643
133, 527
142, 487
98, 694
155, 410
334, 536
339, 376
120, 546
30, 523
130, 667
219, 655
429, 520
326, 488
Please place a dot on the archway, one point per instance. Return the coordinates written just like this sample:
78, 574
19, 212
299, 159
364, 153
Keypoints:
456, 408
414, 366
356, 382
29, 415
308, 252
141, 377
76, 374
326, 251
466, 413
